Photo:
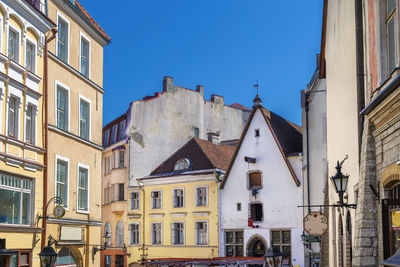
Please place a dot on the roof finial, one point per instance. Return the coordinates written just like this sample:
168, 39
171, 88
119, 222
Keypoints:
257, 100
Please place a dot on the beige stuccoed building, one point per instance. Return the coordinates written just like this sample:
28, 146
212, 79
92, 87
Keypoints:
74, 128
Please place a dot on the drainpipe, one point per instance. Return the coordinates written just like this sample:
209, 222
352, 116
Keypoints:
141, 187
307, 108
46, 143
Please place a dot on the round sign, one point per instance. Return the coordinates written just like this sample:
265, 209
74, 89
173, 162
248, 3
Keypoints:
58, 211
315, 223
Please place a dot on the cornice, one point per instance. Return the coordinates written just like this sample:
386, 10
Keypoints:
75, 137
69, 221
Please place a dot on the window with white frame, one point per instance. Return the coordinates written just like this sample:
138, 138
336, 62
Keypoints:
107, 232
62, 108
201, 233
30, 124
201, 196
114, 134
13, 44
30, 59
178, 198
115, 164
390, 10
16, 197
119, 234
134, 196
13, 108
121, 130
84, 119
62, 39
134, 234
85, 54
182, 165
156, 199
106, 138
178, 233
121, 158
107, 165
62, 181
83, 189
156, 233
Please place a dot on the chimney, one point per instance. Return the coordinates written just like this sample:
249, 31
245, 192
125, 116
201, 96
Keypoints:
217, 99
168, 83
200, 89
213, 137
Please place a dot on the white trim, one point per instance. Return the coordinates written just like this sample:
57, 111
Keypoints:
195, 232
64, 18
183, 191
34, 43
18, 42
161, 197
87, 100
1, 32
58, 157
181, 179
34, 117
82, 35
19, 103
130, 199
77, 138
83, 166
197, 187
184, 233
129, 232
161, 233
56, 84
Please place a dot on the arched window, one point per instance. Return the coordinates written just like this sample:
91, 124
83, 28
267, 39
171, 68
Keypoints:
65, 257
107, 231
182, 165
119, 235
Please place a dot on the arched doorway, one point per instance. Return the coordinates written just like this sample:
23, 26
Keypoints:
66, 258
257, 246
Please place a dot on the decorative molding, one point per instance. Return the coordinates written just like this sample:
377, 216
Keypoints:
201, 213
75, 137
69, 221
156, 215
178, 214
134, 215
20, 229
180, 178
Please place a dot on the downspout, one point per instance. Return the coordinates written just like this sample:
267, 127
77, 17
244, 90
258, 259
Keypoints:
46, 143
359, 70
142, 260
308, 152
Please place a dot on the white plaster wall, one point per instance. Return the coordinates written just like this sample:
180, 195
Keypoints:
279, 195
162, 125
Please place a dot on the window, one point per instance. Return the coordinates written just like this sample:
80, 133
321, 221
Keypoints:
24, 259
134, 234
390, 34
30, 56
234, 244
107, 232
181, 165
30, 124
156, 199
13, 45
62, 41
134, 200
201, 196
121, 158
62, 108
13, 117
15, 200
119, 234
177, 198
83, 189
178, 233
121, 188
257, 132
256, 212
201, 233
85, 54
62, 181
84, 119
121, 130
156, 234
106, 138
196, 132
254, 180
107, 165
238, 206
114, 134
282, 240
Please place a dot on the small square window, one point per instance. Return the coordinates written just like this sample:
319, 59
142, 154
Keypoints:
239, 206
257, 132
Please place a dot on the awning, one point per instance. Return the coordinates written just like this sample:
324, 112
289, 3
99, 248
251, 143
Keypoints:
208, 261
8, 252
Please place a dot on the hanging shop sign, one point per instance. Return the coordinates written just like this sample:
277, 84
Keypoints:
315, 223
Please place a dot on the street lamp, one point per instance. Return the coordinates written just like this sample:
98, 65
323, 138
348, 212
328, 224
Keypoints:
273, 257
48, 256
340, 182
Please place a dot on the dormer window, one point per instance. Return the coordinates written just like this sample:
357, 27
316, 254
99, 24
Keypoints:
182, 165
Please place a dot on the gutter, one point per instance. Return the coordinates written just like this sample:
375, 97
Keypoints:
46, 132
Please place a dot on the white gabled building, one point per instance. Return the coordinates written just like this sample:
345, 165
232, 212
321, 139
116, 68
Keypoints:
262, 189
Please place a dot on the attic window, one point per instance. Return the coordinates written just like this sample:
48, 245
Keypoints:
257, 132
182, 165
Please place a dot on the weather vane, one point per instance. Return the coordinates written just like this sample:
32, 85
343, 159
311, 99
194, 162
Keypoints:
257, 85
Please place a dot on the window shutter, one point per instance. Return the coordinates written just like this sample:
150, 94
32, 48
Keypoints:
255, 180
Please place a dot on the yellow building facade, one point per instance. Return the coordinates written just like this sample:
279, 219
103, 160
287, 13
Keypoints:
74, 128
22, 40
174, 211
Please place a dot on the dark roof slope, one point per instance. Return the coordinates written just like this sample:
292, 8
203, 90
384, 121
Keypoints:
202, 154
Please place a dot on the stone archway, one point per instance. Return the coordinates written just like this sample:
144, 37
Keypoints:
69, 256
256, 246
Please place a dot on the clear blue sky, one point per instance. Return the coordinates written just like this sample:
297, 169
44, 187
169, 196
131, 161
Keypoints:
225, 45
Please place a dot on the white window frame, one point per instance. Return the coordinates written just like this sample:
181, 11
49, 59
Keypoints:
130, 207
58, 157
34, 43
34, 124
64, 18
17, 124
81, 97
201, 186
83, 166
173, 196
83, 36
14, 28
130, 235
161, 234
184, 233
196, 234
58, 83
161, 199
121, 151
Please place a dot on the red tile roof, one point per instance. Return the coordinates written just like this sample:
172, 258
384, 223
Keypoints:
240, 106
